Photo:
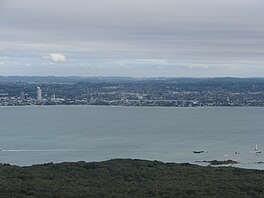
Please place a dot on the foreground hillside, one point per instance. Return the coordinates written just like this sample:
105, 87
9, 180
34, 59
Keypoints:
128, 178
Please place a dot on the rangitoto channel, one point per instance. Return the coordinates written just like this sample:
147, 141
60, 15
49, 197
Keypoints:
129, 178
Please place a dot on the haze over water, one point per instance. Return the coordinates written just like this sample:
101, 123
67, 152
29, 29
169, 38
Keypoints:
41, 134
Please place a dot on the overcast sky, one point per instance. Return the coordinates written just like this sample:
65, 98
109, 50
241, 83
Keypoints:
192, 38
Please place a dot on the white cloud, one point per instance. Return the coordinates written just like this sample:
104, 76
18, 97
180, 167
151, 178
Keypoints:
56, 58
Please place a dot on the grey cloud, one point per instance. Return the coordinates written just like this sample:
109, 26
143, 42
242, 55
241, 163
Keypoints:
222, 34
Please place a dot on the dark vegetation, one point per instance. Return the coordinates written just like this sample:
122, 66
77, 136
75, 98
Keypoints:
128, 178
216, 162
219, 162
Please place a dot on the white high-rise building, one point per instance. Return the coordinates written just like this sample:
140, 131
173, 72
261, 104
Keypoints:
53, 97
39, 94
22, 95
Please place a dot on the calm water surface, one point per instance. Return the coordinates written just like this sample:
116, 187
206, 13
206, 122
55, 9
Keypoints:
41, 134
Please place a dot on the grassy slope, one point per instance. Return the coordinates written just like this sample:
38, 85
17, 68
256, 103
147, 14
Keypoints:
128, 178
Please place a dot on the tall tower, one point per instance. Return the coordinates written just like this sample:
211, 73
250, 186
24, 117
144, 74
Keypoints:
22, 95
39, 94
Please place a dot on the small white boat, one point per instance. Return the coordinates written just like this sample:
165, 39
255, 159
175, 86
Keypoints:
256, 149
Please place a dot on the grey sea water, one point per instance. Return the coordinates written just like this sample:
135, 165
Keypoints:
41, 134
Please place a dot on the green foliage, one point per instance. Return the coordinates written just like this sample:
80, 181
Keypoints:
128, 178
224, 162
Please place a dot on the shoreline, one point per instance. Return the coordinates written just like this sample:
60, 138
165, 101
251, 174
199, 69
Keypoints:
121, 106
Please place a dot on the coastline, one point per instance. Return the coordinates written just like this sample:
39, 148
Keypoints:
132, 106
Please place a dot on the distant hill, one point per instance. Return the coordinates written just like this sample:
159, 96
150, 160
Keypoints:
113, 79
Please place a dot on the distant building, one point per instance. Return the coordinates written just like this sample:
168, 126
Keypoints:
39, 94
53, 97
3, 94
22, 95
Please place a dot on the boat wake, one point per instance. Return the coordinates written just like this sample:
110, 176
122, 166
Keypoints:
28, 150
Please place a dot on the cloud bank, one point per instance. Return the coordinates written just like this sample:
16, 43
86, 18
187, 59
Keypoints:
132, 38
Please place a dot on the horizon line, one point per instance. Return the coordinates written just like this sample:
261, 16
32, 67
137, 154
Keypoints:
131, 77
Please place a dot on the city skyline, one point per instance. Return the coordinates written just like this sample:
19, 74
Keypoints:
143, 38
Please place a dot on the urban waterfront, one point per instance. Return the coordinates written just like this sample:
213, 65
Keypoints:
41, 134
176, 92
